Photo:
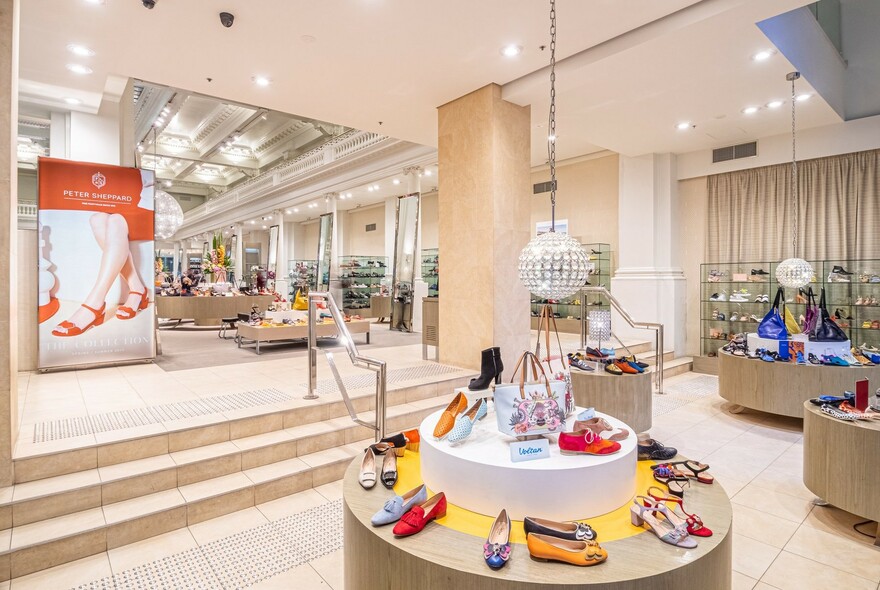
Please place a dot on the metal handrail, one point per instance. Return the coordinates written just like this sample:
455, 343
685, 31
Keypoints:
357, 360
658, 329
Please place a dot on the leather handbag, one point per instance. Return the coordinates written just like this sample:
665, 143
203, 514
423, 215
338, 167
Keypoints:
547, 324
826, 329
811, 312
300, 302
524, 407
790, 323
772, 326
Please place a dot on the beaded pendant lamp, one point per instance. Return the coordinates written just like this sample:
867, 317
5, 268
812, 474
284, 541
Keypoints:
553, 265
168, 215
794, 272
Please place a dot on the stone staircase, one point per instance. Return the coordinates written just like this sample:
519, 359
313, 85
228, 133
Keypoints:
71, 504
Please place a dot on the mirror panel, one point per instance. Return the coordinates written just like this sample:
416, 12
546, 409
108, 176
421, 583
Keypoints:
404, 268
325, 246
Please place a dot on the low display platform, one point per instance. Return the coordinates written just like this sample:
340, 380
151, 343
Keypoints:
841, 463
627, 397
472, 472
256, 334
208, 311
782, 388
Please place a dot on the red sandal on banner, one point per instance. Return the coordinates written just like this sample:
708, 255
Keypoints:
123, 312
67, 328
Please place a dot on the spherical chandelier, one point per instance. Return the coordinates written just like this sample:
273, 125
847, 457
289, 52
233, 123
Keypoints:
794, 272
552, 265
168, 215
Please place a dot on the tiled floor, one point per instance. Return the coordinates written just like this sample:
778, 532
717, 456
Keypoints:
781, 539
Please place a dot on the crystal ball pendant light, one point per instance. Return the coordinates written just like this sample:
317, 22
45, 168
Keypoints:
168, 215
553, 265
794, 272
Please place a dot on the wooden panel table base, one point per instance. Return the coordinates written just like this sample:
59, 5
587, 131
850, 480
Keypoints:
442, 558
842, 463
256, 334
626, 397
208, 311
782, 388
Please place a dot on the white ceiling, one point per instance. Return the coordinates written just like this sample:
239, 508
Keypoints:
359, 62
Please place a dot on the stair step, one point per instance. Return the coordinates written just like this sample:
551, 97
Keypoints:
32, 547
678, 366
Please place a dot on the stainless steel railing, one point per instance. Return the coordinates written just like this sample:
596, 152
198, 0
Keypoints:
658, 330
357, 360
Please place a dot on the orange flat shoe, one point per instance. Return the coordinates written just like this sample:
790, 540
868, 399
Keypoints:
547, 548
625, 367
67, 328
412, 440
447, 418
123, 312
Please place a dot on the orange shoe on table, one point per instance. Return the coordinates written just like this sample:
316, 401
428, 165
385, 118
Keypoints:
547, 548
625, 367
447, 418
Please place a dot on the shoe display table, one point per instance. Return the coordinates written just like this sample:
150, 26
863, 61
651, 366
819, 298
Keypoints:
782, 388
841, 463
449, 552
256, 334
627, 397
208, 311
474, 472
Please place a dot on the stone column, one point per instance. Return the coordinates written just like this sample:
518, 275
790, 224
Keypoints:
238, 265
484, 208
282, 282
9, 12
175, 264
649, 282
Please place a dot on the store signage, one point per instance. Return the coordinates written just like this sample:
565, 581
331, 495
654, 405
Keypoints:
95, 287
529, 450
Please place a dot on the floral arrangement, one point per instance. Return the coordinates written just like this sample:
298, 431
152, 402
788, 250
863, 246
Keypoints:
217, 262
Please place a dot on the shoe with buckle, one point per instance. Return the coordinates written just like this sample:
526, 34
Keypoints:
582, 553
571, 530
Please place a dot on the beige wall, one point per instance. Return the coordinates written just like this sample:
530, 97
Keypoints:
356, 241
690, 243
587, 197
428, 212
27, 299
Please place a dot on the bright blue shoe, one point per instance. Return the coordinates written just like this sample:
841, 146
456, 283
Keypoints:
765, 356
464, 423
800, 358
635, 366
400, 505
607, 351
835, 361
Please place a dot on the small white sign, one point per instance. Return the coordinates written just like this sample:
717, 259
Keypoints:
529, 450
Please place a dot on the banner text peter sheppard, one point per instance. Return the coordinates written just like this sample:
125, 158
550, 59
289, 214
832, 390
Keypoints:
100, 196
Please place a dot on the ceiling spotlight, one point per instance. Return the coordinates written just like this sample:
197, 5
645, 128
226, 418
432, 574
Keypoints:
236, 137
264, 227
762, 55
427, 172
375, 187
262, 81
683, 125
296, 209
252, 222
287, 212
269, 217
395, 181
511, 50
369, 189
141, 149
348, 195
79, 69
80, 50
750, 110
803, 97
73, 101
775, 104
168, 184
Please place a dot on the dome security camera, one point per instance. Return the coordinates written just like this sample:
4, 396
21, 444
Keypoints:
226, 18
149, 4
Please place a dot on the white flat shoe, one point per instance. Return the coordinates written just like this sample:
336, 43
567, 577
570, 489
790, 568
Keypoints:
367, 477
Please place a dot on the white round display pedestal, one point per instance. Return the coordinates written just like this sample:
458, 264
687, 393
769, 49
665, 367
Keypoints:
478, 474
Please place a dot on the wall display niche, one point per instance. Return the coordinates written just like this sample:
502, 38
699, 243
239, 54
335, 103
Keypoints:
406, 234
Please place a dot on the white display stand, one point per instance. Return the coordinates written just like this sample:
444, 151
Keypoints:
818, 348
478, 475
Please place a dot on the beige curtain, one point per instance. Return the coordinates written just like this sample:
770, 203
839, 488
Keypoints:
750, 211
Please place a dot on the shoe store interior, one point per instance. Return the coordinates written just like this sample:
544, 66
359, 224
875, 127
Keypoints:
616, 265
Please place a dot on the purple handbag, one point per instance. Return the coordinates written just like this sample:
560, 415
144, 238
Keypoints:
811, 313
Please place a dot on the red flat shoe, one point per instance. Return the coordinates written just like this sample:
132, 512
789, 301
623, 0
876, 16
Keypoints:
123, 312
586, 442
420, 515
67, 328
694, 523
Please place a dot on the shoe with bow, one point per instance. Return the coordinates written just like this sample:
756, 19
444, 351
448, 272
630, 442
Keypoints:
496, 549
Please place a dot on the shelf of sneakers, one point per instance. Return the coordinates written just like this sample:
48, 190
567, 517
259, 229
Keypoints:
302, 274
568, 311
360, 278
431, 270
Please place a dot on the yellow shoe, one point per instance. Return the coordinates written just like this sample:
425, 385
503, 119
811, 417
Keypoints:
447, 418
547, 548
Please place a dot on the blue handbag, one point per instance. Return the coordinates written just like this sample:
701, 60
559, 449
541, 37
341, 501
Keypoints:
772, 326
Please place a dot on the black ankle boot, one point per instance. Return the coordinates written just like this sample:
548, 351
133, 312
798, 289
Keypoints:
487, 371
499, 366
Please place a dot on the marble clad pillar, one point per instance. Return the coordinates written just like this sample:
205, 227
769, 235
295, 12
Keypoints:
484, 214
9, 11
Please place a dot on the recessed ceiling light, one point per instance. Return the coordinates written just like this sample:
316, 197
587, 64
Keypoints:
369, 189
264, 227
375, 187
79, 69
287, 212
296, 209
348, 195
262, 81
511, 50
427, 173
775, 104
750, 110
683, 125
252, 222
763, 54
70, 100
168, 184
80, 50
395, 181
803, 97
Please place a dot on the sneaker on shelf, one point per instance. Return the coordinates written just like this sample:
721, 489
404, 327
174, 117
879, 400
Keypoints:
834, 277
840, 270
718, 297
738, 298
759, 272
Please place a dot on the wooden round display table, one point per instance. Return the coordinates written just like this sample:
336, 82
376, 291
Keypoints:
782, 388
841, 462
449, 552
626, 397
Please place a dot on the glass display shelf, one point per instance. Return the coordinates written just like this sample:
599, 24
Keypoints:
431, 270
361, 277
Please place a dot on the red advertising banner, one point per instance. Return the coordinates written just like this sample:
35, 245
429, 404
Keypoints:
96, 260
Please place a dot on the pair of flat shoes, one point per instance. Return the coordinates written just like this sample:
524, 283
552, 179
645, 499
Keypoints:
367, 476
